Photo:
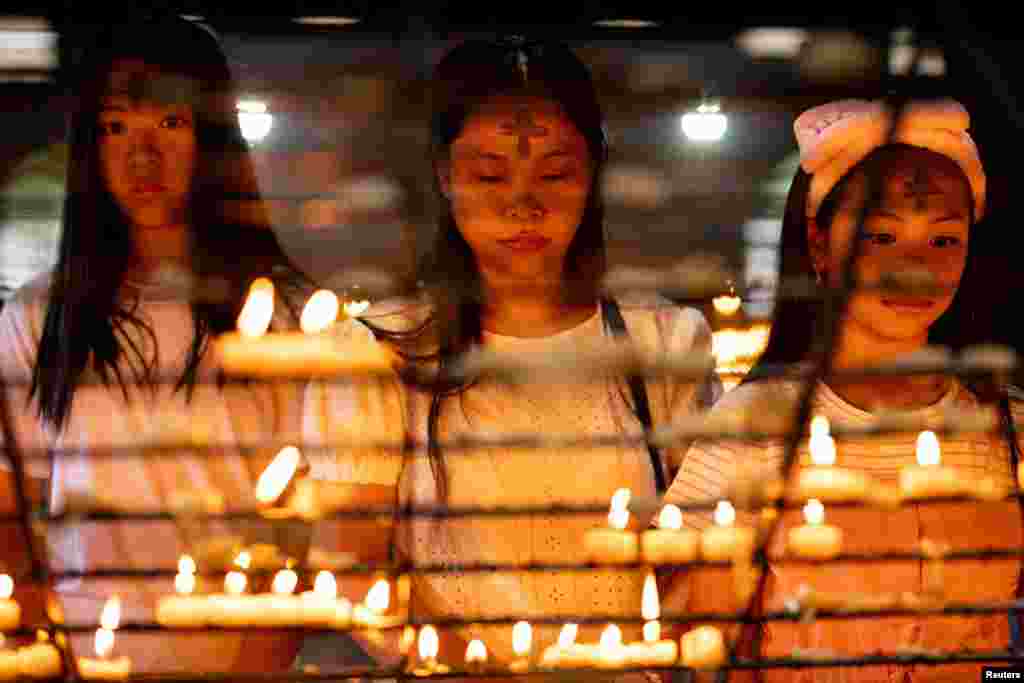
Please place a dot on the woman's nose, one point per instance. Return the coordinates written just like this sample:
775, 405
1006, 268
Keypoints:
144, 151
525, 206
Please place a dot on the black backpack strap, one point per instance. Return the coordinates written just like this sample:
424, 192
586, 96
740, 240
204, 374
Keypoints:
1010, 431
616, 325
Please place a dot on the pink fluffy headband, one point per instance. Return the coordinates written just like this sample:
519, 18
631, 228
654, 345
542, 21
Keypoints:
835, 137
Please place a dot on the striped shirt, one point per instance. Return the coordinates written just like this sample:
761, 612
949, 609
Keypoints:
709, 471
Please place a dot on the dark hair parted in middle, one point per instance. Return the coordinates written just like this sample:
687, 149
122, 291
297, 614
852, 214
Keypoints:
468, 76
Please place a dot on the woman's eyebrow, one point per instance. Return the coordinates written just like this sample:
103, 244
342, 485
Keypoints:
951, 216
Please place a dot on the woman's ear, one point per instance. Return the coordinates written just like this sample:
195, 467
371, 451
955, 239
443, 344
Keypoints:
443, 171
817, 245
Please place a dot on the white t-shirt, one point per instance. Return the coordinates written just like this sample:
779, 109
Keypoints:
710, 467
384, 410
97, 456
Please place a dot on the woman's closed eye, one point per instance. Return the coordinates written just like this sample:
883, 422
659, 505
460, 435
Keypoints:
879, 238
111, 127
175, 121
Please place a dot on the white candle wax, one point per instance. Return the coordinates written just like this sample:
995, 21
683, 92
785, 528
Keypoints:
299, 354
724, 541
611, 653
669, 543
8, 664
39, 660
522, 643
657, 654
929, 479
365, 617
10, 611
613, 544
823, 480
815, 539
113, 669
183, 611
703, 648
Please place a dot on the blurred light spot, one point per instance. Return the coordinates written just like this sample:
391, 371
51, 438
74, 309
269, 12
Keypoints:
27, 44
626, 23
327, 21
769, 42
636, 186
707, 124
254, 120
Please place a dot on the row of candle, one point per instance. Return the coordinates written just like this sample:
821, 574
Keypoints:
252, 351
40, 660
724, 541
320, 607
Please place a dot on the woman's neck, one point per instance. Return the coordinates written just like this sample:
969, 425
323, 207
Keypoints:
883, 393
537, 311
157, 250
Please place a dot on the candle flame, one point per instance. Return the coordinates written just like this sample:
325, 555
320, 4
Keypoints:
476, 652
104, 642
671, 518
567, 636
652, 632
814, 512
110, 617
725, 513
407, 640
727, 305
284, 582
184, 584
429, 643
650, 607
618, 515
822, 445
320, 312
186, 565
243, 560
325, 585
6, 586
611, 638
274, 480
258, 310
928, 451
522, 638
234, 583
354, 309
378, 598
820, 426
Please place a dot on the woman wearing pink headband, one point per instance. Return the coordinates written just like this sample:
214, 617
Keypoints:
932, 192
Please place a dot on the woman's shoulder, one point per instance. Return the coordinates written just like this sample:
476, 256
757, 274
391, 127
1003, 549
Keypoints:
21, 325
664, 324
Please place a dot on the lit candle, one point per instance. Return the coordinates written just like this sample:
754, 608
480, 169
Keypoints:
815, 539
669, 543
8, 662
429, 645
703, 648
653, 652
724, 541
556, 654
104, 668
823, 480
233, 608
183, 610
613, 544
40, 660
251, 351
476, 656
10, 611
277, 476
611, 653
322, 607
929, 479
281, 607
354, 309
522, 643
371, 613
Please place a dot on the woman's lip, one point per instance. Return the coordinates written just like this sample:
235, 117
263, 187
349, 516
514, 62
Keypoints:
149, 188
526, 242
917, 304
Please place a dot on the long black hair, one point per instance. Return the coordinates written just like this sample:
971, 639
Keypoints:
795, 320
465, 78
86, 318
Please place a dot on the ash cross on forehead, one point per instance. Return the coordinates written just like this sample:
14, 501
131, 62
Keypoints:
919, 187
525, 127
